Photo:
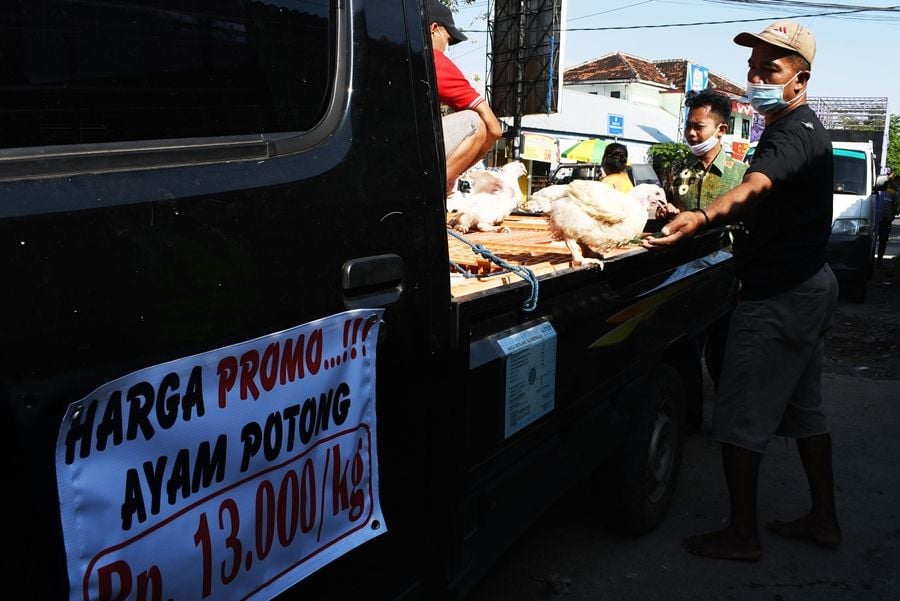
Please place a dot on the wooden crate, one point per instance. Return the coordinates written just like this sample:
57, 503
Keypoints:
528, 243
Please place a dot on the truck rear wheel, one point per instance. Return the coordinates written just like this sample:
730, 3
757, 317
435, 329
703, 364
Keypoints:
637, 485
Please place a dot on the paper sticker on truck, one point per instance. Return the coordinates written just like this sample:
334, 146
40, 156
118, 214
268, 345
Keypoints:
231, 474
530, 357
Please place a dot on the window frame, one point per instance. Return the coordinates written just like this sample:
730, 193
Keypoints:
41, 162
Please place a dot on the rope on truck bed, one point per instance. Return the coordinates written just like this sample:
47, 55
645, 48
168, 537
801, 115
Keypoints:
520, 270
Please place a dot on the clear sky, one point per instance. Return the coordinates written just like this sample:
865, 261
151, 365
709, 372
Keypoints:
858, 54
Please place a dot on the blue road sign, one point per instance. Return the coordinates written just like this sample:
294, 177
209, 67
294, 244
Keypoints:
616, 125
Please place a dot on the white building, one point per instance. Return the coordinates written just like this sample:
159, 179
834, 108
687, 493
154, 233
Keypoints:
634, 101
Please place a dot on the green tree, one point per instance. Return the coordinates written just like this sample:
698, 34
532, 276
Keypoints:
893, 153
668, 159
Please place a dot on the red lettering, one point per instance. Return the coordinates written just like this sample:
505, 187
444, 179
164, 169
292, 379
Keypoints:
268, 370
292, 360
114, 579
227, 372
249, 365
150, 581
314, 352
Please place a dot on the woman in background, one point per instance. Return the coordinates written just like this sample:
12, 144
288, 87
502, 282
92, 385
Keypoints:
615, 161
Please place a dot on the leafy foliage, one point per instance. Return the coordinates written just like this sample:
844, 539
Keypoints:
668, 159
893, 153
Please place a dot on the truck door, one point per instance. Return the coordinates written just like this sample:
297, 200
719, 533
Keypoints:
206, 184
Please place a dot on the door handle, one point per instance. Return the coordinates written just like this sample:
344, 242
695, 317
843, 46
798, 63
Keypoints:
372, 281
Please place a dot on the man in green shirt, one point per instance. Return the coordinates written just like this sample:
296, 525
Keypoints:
710, 172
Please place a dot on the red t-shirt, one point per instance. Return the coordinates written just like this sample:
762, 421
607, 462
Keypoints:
454, 89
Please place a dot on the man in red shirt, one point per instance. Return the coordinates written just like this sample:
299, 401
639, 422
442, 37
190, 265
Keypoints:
472, 128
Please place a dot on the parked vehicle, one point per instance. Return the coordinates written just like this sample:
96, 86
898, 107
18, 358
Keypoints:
565, 173
639, 173
234, 363
851, 247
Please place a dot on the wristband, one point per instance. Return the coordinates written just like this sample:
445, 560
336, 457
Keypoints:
705, 216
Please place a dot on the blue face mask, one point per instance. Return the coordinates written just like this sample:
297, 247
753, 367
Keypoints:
767, 99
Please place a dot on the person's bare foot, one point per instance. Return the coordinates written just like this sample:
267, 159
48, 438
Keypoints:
724, 544
822, 532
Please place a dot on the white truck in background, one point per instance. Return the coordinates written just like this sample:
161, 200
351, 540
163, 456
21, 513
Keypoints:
851, 247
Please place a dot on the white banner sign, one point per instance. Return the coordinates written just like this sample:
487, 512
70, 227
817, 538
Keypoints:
232, 474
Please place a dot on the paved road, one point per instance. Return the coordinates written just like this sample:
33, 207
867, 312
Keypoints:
568, 557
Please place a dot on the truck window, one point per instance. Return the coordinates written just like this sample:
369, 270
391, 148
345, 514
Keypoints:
849, 171
162, 69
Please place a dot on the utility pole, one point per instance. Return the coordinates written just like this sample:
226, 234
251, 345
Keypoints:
520, 82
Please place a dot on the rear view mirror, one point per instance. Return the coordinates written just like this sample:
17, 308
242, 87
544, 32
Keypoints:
881, 182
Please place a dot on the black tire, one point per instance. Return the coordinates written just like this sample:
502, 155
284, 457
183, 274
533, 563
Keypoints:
636, 486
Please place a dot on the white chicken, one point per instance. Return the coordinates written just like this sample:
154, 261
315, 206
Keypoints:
542, 200
492, 198
595, 216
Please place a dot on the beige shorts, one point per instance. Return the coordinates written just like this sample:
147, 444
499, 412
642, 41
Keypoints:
457, 127
771, 382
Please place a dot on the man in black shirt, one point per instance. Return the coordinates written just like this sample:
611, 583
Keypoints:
771, 376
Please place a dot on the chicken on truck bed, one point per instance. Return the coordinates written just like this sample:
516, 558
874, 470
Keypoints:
528, 243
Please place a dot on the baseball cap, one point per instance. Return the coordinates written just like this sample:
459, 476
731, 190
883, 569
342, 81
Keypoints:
784, 34
440, 14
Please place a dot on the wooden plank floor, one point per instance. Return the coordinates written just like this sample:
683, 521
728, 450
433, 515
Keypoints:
527, 243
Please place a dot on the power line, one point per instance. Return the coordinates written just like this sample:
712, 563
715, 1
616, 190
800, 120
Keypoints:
725, 22
792, 5
612, 10
729, 21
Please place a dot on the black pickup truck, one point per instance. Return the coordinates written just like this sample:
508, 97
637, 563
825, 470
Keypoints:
233, 364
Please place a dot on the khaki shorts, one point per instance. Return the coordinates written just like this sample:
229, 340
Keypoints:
771, 380
457, 127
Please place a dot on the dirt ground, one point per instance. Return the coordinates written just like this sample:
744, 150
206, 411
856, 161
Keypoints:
865, 337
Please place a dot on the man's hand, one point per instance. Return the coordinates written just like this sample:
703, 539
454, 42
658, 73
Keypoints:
683, 226
666, 211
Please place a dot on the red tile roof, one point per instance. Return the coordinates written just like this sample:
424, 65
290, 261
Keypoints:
618, 66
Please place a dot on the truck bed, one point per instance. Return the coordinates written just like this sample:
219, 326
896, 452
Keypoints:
528, 243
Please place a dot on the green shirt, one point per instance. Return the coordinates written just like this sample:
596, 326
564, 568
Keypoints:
694, 182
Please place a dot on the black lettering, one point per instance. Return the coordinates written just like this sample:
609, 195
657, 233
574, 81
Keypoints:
140, 404
134, 500
154, 479
307, 420
273, 436
111, 422
341, 406
209, 465
167, 406
193, 396
180, 478
251, 439
323, 410
290, 416
81, 431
